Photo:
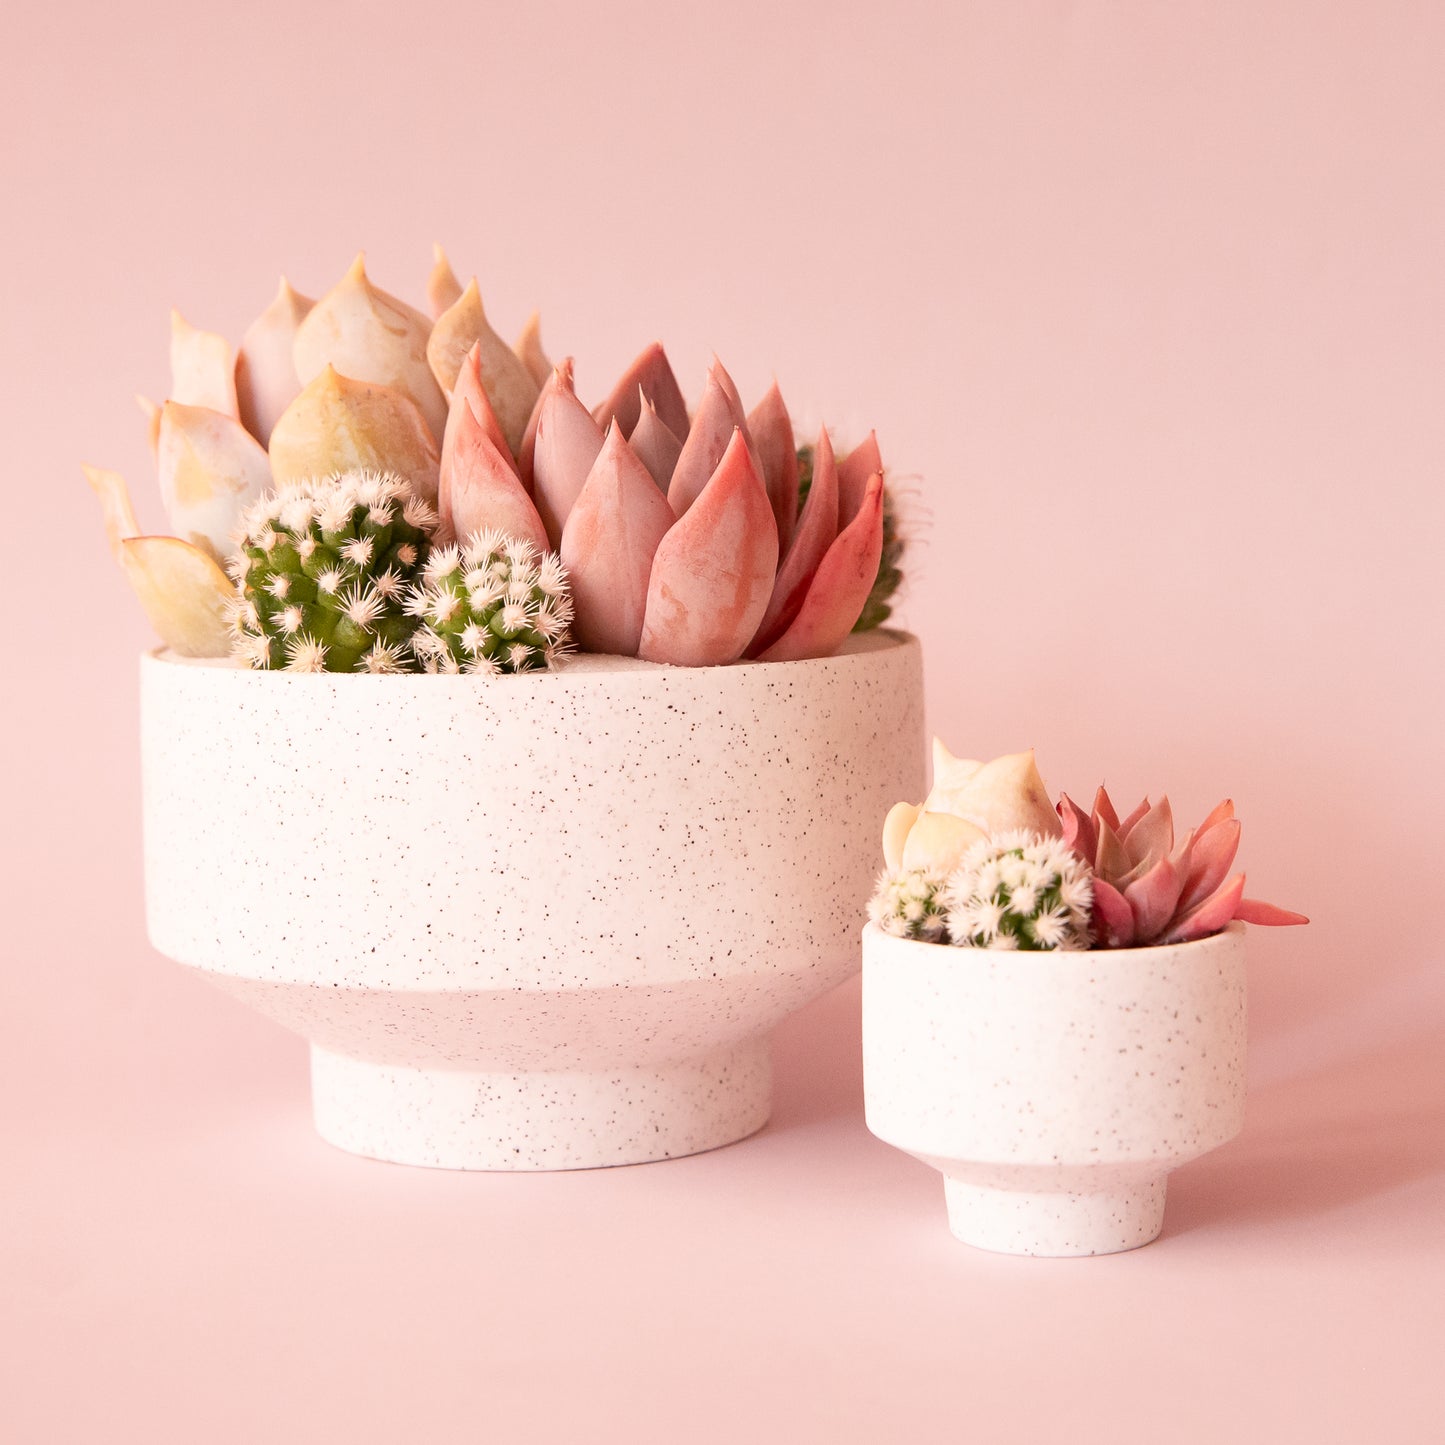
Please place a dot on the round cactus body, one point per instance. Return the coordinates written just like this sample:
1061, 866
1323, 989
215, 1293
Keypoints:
910, 904
1019, 891
323, 571
496, 604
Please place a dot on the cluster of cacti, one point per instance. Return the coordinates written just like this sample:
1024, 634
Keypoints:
1148, 890
323, 568
910, 904
1018, 873
688, 537
1019, 891
494, 605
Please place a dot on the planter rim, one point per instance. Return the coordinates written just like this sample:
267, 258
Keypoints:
577, 665
1041, 960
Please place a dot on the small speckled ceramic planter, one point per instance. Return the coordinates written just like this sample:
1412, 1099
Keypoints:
534, 922
1055, 1091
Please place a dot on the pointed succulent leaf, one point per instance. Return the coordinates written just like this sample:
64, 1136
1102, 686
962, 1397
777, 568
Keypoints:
530, 353
480, 492
713, 572
838, 591
369, 335
1110, 859
117, 513
777, 449
1209, 915
1152, 836
1127, 825
1209, 861
1104, 808
1113, 918
202, 370
470, 396
1153, 898
650, 376
710, 435
656, 447
442, 287
266, 380
341, 425
896, 828
509, 385
1252, 910
1079, 833
211, 470
608, 544
566, 442
816, 530
1219, 814
854, 470
185, 594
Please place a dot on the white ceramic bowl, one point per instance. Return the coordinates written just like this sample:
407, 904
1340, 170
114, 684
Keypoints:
1055, 1091
532, 922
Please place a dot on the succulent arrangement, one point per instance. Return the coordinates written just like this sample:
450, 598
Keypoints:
337, 486
986, 861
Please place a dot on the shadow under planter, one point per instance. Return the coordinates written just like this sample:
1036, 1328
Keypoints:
534, 922
1055, 1091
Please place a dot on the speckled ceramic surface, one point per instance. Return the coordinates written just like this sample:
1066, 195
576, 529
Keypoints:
531, 922
1055, 1091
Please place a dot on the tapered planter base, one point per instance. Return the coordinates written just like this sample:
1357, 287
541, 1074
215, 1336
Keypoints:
458, 1119
1055, 1225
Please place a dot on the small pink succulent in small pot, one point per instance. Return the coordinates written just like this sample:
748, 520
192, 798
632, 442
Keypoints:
1150, 889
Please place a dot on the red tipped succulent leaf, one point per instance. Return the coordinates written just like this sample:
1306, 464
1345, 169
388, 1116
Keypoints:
1252, 910
1113, 919
718, 416
566, 444
650, 376
1209, 915
1210, 858
479, 489
656, 447
839, 587
608, 545
854, 471
816, 530
1152, 899
713, 572
777, 450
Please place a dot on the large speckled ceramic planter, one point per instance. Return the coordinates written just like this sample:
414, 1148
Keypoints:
1055, 1091
534, 922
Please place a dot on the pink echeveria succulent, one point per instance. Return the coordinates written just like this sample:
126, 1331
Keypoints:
1147, 888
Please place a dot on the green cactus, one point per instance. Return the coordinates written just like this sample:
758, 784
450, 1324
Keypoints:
910, 905
494, 605
879, 606
322, 572
1019, 891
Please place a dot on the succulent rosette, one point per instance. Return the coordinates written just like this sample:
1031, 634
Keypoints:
687, 535
987, 861
1150, 889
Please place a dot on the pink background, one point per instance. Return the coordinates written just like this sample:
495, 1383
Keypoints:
1153, 298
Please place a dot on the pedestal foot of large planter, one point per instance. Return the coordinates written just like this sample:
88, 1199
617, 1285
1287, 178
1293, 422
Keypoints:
458, 1119
1055, 1224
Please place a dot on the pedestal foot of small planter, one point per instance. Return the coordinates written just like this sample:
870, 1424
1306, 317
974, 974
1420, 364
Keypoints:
1055, 1225
457, 1119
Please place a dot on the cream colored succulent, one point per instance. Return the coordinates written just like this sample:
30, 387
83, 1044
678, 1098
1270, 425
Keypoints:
357, 380
970, 802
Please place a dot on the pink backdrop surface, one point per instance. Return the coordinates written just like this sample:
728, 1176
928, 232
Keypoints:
1153, 299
